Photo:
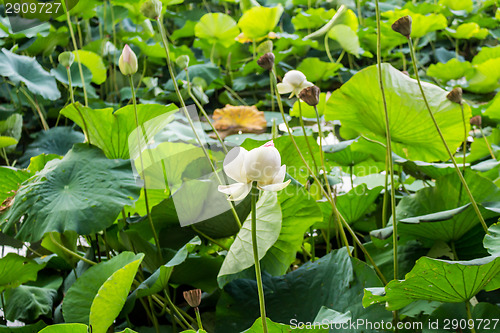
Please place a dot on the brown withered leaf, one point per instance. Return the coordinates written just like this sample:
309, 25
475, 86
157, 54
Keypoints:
233, 119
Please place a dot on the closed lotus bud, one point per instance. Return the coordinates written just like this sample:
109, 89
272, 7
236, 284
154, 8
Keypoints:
266, 61
403, 26
193, 297
310, 95
476, 121
128, 61
182, 61
66, 59
152, 9
455, 95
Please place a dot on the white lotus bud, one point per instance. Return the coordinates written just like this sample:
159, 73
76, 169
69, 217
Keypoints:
293, 82
128, 61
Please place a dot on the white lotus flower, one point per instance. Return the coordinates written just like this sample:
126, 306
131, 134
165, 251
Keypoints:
293, 82
262, 164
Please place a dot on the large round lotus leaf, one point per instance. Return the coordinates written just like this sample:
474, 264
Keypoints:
453, 69
259, 21
28, 71
217, 28
57, 140
83, 192
358, 105
94, 62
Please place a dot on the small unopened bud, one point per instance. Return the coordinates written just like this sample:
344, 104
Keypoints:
147, 27
266, 61
455, 95
403, 26
182, 61
66, 59
193, 297
310, 95
128, 61
152, 9
476, 121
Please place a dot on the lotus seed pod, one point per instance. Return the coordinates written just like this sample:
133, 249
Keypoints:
310, 95
476, 121
455, 95
403, 26
266, 61
193, 297
66, 59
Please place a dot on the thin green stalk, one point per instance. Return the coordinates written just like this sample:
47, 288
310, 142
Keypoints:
235, 94
272, 92
36, 108
254, 195
313, 244
186, 113
176, 310
202, 109
306, 138
210, 238
72, 33
487, 143
148, 212
469, 316
389, 144
5, 157
464, 149
153, 315
457, 169
198, 318
85, 128
68, 251
327, 49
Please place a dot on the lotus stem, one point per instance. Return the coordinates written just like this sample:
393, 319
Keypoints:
305, 137
254, 195
487, 143
457, 169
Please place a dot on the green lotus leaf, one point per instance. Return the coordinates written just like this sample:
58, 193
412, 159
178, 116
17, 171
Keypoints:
300, 211
486, 75
240, 255
259, 21
16, 270
28, 71
468, 30
312, 18
28, 303
112, 295
346, 37
11, 181
217, 28
466, 5
432, 212
111, 130
358, 105
492, 240
437, 280
316, 70
66, 328
7, 141
79, 299
83, 192
452, 70
94, 63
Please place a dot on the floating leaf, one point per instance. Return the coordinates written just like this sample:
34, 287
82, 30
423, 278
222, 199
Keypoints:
358, 105
437, 280
28, 71
468, 30
112, 295
240, 255
217, 28
83, 192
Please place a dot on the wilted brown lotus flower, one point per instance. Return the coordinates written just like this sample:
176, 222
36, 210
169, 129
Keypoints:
476, 121
403, 26
455, 95
193, 297
310, 95
233, 119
